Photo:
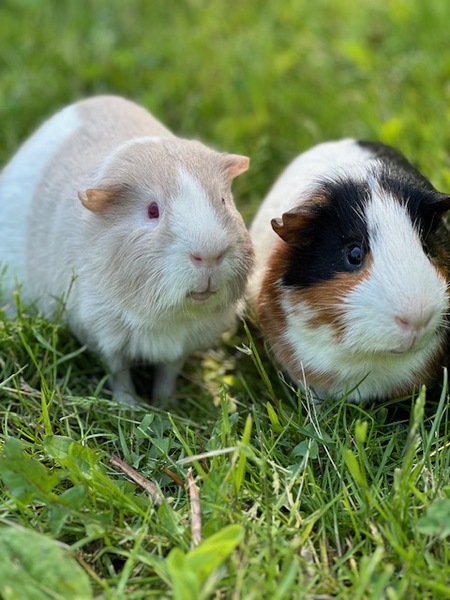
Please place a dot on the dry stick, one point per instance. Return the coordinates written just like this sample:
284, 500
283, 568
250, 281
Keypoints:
173, 476
148, 485
153, 492
196, 512
89, 570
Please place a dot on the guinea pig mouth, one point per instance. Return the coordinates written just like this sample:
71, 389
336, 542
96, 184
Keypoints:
201, 296
411, 345
399, 352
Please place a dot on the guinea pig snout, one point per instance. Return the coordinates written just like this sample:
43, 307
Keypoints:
207, 259
414, 326
416, 322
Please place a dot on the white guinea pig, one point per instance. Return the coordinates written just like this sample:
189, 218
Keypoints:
352, 271
135, 228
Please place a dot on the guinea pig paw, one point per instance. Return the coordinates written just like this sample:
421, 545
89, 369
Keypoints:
125, 398
123, 389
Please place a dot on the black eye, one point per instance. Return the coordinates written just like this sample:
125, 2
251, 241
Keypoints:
223, 200
354, 255
153, 211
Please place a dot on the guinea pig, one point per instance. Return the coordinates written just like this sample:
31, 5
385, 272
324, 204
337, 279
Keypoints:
350, 285
133, 229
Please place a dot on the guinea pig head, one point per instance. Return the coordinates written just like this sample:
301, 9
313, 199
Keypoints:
356, 291
165, 234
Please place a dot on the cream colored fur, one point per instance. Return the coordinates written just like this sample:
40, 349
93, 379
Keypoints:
132, 280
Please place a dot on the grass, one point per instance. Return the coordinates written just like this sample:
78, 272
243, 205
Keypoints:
343, 502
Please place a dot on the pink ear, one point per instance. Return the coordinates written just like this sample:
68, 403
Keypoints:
96, 200
236, 164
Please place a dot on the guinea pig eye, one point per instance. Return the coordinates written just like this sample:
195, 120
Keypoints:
354, 255
153, 210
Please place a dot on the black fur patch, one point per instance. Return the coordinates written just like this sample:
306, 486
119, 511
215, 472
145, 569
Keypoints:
407, 185
323, 244
340, 221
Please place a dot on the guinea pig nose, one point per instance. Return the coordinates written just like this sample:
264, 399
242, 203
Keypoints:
414, 322
207, 259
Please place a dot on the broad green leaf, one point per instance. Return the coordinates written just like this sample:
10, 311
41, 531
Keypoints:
213, 551
188, 572
436, 521
25, 476
306, 447
35, 567
73, 455
185, 582
70, 500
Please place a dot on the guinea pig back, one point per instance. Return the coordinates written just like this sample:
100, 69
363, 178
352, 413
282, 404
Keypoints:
352, 270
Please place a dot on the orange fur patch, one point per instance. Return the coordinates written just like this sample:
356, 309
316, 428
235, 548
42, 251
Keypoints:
323, 298
269, 311
327, 298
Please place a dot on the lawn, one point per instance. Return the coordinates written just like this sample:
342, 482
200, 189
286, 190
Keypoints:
259, 493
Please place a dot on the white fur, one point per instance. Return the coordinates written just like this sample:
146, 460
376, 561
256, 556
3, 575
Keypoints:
18, 181
130, 277
106, 165
376, 353
206, 234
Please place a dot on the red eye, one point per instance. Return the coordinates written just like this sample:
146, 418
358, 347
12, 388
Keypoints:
153, 211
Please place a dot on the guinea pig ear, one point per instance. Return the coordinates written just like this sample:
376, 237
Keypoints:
441, 204
96, 200
235, 164
291, 224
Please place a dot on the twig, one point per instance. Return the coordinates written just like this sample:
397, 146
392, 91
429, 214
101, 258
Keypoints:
196, 511
146, 484
173, 476
89, 570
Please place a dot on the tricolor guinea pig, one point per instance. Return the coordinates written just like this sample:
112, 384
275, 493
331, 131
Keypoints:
133, 228
350, 285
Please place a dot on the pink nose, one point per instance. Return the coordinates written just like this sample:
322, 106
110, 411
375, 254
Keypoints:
204, 259
414, 322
